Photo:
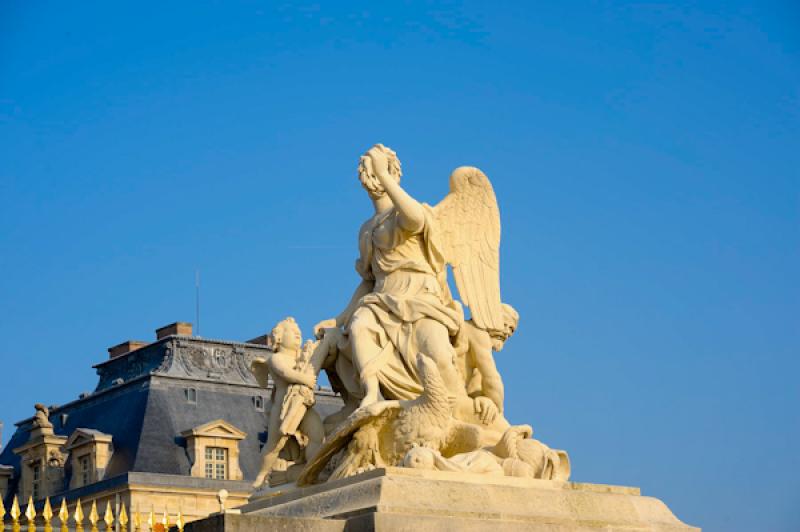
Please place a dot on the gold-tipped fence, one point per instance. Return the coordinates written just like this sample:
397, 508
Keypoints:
12, 520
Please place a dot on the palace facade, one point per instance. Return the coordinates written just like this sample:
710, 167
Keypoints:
169, 425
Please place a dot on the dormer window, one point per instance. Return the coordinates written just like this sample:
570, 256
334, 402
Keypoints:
214, 450
90, 452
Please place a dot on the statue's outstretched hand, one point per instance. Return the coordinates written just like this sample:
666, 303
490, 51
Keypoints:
319, 328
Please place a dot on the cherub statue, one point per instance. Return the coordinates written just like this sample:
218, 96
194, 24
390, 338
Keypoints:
293, 370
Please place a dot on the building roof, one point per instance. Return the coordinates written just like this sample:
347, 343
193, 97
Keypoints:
142, 400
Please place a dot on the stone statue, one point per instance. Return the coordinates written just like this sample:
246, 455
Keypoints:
293, 370
476, 365
421, 440
380, 434
423, 434
403, 305
419, 382
41, 420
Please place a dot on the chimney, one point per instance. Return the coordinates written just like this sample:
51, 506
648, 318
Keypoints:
179, 327
125, 347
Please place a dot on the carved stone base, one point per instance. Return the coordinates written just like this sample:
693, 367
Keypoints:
414, 500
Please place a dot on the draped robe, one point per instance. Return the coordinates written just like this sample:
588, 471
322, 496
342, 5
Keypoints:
410, 278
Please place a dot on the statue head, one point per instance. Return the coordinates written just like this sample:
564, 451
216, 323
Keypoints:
368, 179
286, 334
510, 322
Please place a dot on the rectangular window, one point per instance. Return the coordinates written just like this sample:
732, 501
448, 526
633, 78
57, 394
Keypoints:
191, 395
85, 470
217, 463
36, 484
258, 402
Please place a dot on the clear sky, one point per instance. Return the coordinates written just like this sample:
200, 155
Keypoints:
645, 158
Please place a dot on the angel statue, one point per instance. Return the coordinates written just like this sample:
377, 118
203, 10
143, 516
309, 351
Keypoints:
419, 382
403, 306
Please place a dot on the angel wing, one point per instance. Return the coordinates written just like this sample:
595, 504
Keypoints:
469, 221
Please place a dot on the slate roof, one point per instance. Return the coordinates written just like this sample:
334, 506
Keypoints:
141, 401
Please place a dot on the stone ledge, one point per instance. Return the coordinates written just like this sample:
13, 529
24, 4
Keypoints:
408, 499
259, 523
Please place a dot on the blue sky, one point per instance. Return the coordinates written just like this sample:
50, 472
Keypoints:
645, 158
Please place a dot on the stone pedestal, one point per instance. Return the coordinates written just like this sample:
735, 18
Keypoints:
399, 499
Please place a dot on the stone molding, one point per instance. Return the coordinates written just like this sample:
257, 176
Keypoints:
183, 357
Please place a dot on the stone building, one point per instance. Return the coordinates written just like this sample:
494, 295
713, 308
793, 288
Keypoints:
169, 424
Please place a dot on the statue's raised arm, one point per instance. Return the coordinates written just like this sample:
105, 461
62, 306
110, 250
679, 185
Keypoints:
469, 225
410, 213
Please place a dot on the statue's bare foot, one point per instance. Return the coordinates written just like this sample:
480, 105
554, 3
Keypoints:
370, 399
373, 392
365, 402
260, 480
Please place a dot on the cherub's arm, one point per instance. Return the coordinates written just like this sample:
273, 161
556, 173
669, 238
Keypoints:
282, 367
481, 351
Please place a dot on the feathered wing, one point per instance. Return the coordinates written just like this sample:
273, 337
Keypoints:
469, 221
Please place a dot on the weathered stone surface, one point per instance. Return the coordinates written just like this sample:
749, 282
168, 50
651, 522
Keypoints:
231, 522
408, 499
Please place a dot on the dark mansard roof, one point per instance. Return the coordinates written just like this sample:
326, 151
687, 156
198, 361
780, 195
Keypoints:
141, 400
